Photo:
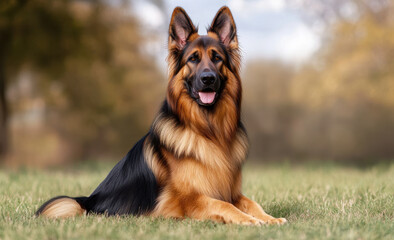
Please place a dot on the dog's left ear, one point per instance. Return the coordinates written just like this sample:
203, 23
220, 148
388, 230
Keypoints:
224, 26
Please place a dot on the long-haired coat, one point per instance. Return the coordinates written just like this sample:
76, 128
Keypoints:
189, 163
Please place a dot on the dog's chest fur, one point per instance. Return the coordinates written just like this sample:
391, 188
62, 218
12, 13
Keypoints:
197, 163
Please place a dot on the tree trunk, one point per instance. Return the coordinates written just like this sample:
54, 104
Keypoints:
3, 112
5, 40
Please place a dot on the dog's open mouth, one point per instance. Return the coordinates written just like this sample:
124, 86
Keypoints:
207, 97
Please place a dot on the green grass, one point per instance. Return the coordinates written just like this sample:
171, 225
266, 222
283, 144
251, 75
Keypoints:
320, 202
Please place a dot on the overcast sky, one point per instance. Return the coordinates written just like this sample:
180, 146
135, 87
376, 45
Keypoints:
266, 28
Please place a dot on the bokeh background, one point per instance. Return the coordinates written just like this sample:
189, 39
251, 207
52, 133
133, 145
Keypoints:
82, 80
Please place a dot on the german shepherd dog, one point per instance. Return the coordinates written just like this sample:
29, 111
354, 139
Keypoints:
189, 163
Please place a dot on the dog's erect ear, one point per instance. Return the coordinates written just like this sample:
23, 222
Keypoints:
181, 27
224, 26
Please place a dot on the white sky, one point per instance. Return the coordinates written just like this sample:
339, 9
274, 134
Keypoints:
266, 28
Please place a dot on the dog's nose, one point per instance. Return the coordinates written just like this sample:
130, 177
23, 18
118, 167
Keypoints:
208, 77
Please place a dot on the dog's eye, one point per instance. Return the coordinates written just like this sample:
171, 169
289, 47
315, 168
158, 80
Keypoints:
217, 58
193, 59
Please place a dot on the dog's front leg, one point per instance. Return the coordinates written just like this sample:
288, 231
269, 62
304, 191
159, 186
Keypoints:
254, 209
203, 207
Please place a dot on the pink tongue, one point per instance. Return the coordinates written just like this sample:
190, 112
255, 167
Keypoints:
207, 97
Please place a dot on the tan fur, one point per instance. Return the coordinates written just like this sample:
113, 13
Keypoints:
194, 178
187, 143
62, 208
213, 35
151, 158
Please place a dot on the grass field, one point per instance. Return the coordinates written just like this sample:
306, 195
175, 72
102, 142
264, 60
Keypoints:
320, 202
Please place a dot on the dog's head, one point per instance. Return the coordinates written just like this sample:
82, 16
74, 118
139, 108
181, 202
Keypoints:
203, 63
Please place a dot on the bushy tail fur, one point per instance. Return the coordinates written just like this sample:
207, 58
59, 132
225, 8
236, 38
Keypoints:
62, 207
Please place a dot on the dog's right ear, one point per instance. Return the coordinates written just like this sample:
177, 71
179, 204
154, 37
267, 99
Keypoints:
181, 27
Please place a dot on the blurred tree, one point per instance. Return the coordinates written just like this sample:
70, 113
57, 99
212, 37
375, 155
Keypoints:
337, 106
348, 90
324, 13
37, 33
89, 67
110, 97
268, 107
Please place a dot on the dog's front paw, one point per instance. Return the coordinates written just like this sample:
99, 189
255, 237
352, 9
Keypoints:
277, 221
251, 221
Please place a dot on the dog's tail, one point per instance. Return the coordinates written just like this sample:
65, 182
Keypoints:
62, 207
